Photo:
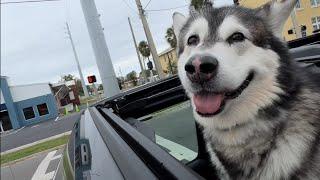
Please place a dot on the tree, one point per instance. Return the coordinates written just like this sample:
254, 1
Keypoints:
132, 76
171, 37
197, 4
90, 89
148, 74
120, 82
79, 87
144, 49
100, 87
173, 68
68, 77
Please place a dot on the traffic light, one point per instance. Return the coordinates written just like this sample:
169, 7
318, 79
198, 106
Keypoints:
92, 79
150, 65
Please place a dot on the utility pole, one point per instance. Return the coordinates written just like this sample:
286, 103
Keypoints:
295, 24
135, 45
100, 48
150, 40
85, 90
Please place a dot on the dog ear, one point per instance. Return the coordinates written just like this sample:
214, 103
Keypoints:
277, 12
178, 21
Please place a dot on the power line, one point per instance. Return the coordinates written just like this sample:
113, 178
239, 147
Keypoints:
30, 1
147, 4
127, 4
167, 9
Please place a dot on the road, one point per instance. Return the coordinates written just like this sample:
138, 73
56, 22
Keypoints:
37, 132
41, 166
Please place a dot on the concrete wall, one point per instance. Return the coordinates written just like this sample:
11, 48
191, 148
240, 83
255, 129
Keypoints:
16, 98
48, 99
23, 92
164, 59
9, 103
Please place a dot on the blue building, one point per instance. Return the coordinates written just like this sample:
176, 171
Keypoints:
24, 105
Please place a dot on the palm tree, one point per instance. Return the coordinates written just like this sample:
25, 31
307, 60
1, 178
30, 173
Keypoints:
144, 49
197, 4
171, 37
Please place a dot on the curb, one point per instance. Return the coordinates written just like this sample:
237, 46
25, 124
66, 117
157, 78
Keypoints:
34, 143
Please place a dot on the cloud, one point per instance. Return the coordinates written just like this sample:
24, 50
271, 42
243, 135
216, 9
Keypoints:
34, 47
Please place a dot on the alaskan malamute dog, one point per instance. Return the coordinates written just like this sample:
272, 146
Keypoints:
259, 111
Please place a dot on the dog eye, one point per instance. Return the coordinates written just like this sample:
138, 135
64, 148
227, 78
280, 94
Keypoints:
193, 40
236, 37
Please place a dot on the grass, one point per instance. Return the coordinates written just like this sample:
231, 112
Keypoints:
34, 149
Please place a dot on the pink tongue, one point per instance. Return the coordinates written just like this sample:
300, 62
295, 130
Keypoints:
208, 104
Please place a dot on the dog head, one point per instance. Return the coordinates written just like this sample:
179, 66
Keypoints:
232, 61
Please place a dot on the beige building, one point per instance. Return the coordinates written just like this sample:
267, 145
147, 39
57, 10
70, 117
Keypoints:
167, 57
307, 15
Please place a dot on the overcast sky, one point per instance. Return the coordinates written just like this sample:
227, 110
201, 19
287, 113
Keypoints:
35, 47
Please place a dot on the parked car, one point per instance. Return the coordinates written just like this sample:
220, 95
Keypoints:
149, 132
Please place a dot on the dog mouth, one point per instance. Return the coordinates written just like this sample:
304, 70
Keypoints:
210, 103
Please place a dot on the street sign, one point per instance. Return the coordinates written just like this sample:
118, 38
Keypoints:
92, 79
150, 65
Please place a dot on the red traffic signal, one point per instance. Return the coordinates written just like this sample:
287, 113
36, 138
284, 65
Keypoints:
92, 79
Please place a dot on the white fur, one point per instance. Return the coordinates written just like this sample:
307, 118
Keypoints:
199, 27
222, 173
237, 123
178, 21
230, 25
232, 71
278, 14
235, 62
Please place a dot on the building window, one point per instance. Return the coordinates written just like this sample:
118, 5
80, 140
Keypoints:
28, 113
315, 3
298, 5
315, 22
43, 109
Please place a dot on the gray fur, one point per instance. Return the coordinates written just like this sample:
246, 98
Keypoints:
283, 134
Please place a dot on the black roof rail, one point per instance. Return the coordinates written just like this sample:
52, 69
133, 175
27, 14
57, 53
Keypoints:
312, 39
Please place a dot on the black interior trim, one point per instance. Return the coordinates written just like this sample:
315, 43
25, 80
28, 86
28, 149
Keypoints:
163, 165
130, 165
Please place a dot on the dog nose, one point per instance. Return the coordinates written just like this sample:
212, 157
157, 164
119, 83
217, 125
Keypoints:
201, 68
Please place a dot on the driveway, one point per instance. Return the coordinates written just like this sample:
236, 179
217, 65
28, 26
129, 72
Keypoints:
41, 166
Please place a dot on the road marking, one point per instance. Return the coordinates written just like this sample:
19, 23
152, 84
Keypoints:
56, 157
55, 173
35, 126
49, 175
40, 173
19, 130
56, 119
176, 150
13, 132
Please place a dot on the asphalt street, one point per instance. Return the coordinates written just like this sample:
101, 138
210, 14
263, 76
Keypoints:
41, 166
37, 132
